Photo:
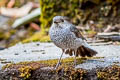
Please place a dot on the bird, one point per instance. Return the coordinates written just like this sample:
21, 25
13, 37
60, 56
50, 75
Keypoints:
67, 37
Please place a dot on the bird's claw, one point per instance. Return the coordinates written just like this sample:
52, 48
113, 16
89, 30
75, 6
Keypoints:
58, 64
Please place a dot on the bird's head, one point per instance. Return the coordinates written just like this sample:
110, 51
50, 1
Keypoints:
60, 20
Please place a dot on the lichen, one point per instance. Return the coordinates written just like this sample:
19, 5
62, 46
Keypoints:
39, 36
79, 11
25, 71
66, 71
6, 66
53, 62
25, 68
109, 73
71, 73
3, 3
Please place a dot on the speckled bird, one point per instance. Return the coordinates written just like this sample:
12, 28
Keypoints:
67, 37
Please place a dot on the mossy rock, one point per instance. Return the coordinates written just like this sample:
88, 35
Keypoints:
25, 69
44, 70
109, 73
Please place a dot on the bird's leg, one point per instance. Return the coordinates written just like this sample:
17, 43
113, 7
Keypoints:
75, 57
59, 61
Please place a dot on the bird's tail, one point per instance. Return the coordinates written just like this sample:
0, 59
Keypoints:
82, 51
85, 51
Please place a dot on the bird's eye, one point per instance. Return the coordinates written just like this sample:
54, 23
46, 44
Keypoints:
62, 20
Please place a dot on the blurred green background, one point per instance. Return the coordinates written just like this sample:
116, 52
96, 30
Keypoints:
101, 12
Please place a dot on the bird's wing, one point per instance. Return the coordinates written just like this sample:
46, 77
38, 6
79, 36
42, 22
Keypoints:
76, 32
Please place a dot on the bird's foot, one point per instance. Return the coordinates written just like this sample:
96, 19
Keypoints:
74, 63
58, 64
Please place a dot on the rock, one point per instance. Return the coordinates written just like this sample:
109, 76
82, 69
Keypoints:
1, 48
111, 36
45, 51
108, 57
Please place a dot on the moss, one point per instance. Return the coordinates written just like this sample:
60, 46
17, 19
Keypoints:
109, 73
34, 70
80, 12
71, 73
25, 68
25, 71
53, 62
77, 10
19, 3
6, 35
6, 66
91, 33
66, 61
3, 3
39, 36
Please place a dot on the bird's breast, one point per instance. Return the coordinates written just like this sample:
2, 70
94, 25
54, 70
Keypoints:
62, 38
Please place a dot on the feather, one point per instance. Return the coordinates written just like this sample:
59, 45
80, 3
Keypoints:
76, 32
82, 51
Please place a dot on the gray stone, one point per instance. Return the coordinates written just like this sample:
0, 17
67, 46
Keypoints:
33, 52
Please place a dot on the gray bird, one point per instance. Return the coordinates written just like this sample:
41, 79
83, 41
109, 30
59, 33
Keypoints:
67, 37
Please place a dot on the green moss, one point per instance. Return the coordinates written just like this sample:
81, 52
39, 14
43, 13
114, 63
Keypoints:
74, 9
91, 33
25, 68
66, 61
25, 71
70, 8
66, 71
6, 66
6, 35
109, 73
70, 73
53, 62
39, 36
3, 3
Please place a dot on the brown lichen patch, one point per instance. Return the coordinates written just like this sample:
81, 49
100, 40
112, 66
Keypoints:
53, 62
32, 64
109, 73
42, 63
70, 73
43, 71
26, 68
62, 73
95, 57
